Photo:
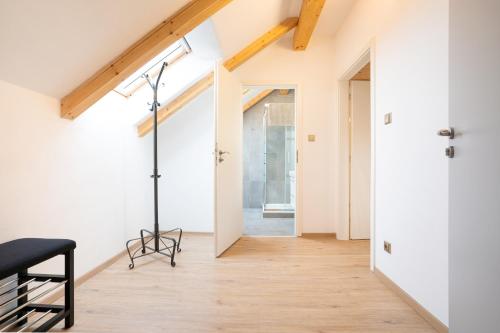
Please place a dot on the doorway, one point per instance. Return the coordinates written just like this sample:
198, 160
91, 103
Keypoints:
269, 161
359, 154
343, 174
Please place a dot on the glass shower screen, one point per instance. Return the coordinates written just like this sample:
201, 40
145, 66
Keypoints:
279, 127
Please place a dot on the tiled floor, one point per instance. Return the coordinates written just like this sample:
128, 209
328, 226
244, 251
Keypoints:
256, 225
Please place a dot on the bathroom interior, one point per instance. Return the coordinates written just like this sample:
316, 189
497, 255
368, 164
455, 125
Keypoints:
269, 155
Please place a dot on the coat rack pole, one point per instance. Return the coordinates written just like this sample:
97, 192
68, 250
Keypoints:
155, 161
158, 237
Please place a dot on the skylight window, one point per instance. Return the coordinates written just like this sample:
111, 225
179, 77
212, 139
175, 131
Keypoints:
172, 54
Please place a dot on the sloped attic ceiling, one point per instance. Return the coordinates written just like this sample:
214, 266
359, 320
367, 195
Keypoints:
241, 21
52, 46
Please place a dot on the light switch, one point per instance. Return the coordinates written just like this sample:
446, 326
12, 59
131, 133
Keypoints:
388, 118
311, 138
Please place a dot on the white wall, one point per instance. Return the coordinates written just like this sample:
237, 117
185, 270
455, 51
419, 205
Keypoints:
411, 172
61, 178
88, 179
311, 72
186, 163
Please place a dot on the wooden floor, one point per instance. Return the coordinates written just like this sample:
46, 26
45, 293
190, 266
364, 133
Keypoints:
307, 284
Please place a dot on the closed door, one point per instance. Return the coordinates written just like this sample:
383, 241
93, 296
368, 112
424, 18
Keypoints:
474, 181
360, 160
229, 160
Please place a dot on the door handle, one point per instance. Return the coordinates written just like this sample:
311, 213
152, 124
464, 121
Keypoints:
449, 151
447, 132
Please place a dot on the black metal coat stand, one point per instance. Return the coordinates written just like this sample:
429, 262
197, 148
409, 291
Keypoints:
169, 245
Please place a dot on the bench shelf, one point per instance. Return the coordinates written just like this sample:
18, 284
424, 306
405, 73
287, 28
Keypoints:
20, 308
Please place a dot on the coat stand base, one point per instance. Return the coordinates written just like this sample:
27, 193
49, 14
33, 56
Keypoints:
163, 244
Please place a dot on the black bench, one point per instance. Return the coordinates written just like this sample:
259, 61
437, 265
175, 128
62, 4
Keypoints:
16, 257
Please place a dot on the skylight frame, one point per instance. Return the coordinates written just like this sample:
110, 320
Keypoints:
171, 55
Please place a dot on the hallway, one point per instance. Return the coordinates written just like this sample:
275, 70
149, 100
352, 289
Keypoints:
306, 284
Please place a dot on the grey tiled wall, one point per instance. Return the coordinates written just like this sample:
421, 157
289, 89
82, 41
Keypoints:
253, 156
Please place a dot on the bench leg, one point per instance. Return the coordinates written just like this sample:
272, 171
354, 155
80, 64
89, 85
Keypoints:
69, 289
23, 300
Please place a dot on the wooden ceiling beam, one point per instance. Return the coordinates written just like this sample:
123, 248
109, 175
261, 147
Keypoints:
309, 15
259, 97
260, 43
231, 64
188, 95
157, 40
177, 103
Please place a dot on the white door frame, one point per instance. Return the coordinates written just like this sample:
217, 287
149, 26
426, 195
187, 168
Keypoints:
298, 146
367, 55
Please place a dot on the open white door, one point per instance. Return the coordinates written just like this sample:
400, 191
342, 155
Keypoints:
360, 160
229, 160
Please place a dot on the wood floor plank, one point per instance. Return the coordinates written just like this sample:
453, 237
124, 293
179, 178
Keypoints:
307, 284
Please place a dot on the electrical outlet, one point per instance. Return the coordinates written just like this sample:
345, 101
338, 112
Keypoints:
387, 247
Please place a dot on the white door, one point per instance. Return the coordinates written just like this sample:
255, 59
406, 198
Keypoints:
229, 160
474, 182
360, 160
